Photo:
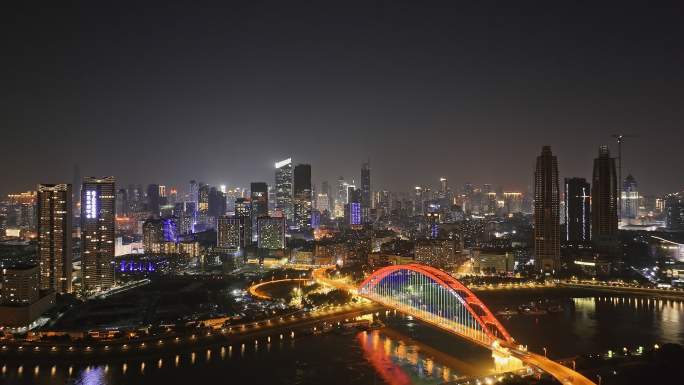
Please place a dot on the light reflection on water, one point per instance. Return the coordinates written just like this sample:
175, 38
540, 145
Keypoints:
385, 356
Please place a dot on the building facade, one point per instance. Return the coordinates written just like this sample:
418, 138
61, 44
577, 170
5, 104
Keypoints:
577, 212
97, 233
283, 188
546, 212
303, 196
54, 237
604, 204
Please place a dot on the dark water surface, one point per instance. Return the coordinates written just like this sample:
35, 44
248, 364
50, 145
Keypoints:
405, 352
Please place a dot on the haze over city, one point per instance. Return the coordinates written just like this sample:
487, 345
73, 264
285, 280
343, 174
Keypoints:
357, 192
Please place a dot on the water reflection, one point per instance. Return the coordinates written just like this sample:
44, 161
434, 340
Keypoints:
398, 360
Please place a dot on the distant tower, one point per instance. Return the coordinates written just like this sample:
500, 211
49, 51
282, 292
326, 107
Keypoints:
546, 212
283, 188
303, 196
577, 211
366, 193
54, 236
97, 233
629, 201
604, 204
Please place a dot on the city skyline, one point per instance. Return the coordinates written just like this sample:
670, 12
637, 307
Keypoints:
338, 96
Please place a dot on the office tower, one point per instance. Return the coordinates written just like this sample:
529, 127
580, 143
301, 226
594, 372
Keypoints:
444, 185
322, 203
76, 194
546, 212
217, 203
122, 202
577, 212
230, 233
283, 188
674, 211
513, 202
271, 233
153, 235
153, 199
243, 209
353, 210
340, 197
193, 193
54, 237
259, 199
302, 196
97, 233
604, 215
162, 191
325, 189
366, 194
629, 200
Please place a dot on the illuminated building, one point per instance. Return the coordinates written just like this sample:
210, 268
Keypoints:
243, 209
366, 193
674, 211
97, 233
230, 234
283, 188
217, 204
20, 302
202, 207
629, 200
271, 233
54, 236
513, 202
259, 199
302, 196
162, 191
341, 198
546, 212
604, 201
577, 211
23, 206
153, 235
322, 202
432, 220
439, 253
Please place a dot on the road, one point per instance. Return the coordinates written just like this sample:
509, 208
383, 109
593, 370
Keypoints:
561, 373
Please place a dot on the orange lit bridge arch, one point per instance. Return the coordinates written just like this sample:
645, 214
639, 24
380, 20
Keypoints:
434, 296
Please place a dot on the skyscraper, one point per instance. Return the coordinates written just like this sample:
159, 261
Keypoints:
54, 236
629, 200
230, 233
243, 210
259, 197
577, 211
366, 194
283, 188
674, 211
604, 216
97, 233
302, 196
546, 212
271, 233
153, 199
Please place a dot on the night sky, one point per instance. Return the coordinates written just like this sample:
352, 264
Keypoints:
218, 93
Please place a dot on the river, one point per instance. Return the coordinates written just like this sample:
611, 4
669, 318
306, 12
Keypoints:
405, 352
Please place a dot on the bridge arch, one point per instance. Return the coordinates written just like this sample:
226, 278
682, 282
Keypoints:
436, 297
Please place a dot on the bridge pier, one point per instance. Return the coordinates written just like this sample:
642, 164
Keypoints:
504, 362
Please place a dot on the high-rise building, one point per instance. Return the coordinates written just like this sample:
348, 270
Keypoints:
302, 196
243, 209
97, 233
604, 204
217, 203
629, 200
283, 188
322, 203
259, 199
122, 202
271, 232
54, 236
577, 212
674, 211
546, 212
230, 234
19, 285
153, 235
153, 199
366, 193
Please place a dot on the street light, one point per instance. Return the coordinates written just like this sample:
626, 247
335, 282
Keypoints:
599, 378
544, 351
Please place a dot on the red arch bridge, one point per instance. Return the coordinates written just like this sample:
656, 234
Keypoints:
437, 298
